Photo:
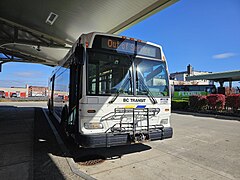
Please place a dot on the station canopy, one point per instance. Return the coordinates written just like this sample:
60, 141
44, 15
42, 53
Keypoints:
43, 31
217, 77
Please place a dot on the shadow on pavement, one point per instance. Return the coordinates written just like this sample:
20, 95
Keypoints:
81, 154
26, 144
45, 147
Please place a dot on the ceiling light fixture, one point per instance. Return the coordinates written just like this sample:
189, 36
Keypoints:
51, 18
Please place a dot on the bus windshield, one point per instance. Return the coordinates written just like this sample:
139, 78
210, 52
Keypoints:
110, 74
151, 76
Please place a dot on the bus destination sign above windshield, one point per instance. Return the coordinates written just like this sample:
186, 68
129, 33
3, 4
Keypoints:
129, 47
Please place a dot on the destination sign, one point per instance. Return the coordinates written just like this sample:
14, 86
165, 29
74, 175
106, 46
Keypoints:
126, 46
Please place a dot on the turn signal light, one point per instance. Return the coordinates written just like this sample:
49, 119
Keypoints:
87, 44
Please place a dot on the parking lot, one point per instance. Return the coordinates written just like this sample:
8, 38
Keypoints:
202, 148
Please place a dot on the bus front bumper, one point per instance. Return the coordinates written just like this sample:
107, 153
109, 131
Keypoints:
118, 139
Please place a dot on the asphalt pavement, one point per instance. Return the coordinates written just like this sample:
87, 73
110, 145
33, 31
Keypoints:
28, 147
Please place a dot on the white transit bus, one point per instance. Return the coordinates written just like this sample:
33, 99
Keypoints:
112, 90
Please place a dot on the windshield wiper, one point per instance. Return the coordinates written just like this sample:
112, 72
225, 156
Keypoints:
122, 88
149, 94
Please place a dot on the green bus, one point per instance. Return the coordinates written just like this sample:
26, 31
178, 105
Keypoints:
182, 92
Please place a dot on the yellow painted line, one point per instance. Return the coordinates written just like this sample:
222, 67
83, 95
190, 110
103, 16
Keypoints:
129, 106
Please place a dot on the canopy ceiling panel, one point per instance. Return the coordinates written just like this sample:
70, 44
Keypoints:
45, 30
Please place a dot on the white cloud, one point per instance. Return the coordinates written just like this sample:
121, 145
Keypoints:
29, 74
223, 55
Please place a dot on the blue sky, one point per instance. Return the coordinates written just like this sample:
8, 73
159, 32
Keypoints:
203, 33
20, 74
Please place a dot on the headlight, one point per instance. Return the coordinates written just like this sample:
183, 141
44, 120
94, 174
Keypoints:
164, 121
94, 125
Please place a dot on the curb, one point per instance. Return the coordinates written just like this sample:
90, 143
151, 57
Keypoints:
65, 151
233, 118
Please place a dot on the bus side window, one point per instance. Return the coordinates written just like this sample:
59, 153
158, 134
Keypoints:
185, 88
208, 90
213, 90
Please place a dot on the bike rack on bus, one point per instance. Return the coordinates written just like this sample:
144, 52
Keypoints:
137, 115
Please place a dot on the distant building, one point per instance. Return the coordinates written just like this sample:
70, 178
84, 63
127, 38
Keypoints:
179, 78
21, 92
37, 91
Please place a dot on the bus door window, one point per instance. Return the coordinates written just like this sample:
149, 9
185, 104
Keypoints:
92, 78
73, 90
51, 92
52, 88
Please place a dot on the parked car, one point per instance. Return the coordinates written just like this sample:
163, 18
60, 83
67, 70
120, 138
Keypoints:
2, 94
13, 95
